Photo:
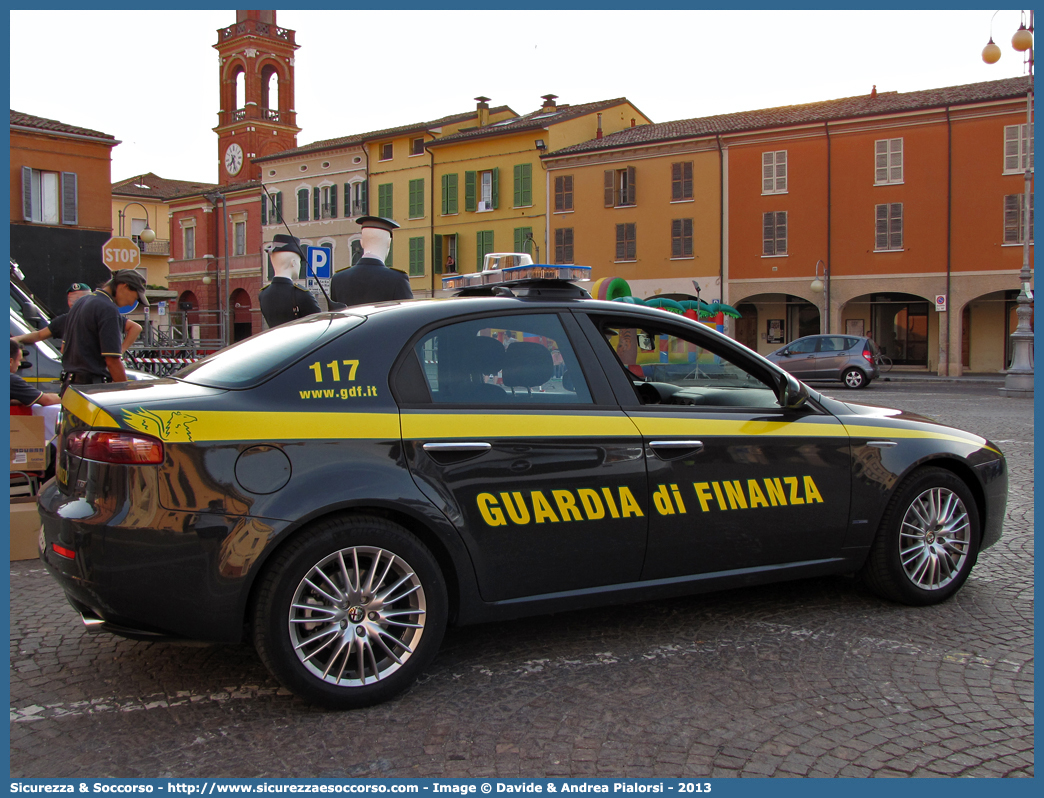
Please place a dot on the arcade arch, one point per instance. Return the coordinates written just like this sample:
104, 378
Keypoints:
242, 319
904, 326
770, 320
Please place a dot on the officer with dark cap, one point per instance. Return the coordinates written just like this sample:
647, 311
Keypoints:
94, 331
369, 280
283, 300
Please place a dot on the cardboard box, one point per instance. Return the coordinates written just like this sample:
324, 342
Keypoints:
27, 444
25, 529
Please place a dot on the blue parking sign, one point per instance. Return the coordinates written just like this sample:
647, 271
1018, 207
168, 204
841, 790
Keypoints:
319, 262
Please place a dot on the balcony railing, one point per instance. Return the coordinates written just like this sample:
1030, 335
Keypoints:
256, 28
157, 247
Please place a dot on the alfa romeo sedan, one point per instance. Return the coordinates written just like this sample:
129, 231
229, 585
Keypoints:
339, 489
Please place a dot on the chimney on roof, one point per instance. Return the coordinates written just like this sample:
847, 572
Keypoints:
873, 92
598, 133
549, 105
483, 111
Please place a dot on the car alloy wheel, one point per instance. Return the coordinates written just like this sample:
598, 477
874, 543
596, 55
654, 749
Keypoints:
350, 611
928, 540
934, 538
854, 378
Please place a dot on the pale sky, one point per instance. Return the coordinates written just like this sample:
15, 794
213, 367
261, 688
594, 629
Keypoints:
150, 78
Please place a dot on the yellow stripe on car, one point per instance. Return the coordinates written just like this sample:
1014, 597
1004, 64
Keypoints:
85, 410
197, 426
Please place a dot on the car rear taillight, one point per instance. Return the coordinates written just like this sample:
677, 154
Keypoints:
108, 446
868, 355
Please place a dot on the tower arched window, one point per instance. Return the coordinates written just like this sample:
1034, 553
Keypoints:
270, 93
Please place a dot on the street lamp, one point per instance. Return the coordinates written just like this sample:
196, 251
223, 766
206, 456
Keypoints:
148, 235
818, 286
1019, 379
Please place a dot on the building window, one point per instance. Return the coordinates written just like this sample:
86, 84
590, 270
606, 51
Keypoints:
417, 147
484, 242
384, 200
1015, 219
449, 194
626, 246
302, 204
482, 190
272, 208
416, 199
417, 257
774, 172
1016, 148
681, 181
888, 161
189, 239
385, 152
889, 226
563, 193
523, 185
355, 193
775, 233
620, 187
49, 197
523, 239
681, 238
564, 245
327, 202
240, 238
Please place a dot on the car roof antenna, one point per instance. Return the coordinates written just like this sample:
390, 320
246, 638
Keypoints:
330, 304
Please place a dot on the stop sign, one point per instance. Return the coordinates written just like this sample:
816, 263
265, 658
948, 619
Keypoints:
120, 253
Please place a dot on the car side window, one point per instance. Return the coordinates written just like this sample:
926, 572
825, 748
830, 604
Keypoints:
670, 368
803, 347
832, 343
525, 359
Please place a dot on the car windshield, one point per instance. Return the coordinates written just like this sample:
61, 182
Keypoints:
259, 357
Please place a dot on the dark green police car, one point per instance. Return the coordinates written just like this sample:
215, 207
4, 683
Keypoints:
338, 489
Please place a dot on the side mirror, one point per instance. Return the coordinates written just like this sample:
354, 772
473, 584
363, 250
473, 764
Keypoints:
792, 393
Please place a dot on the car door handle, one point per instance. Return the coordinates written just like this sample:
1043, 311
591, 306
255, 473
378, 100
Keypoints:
475, 447
675, 450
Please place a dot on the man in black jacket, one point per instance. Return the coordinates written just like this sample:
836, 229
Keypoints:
369, 280
282, 300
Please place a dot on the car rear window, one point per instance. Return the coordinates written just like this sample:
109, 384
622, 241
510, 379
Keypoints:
259, 357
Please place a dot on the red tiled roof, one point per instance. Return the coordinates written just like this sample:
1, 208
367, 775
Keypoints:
360, 138
889, 102
155, 187
54, 126
537, 120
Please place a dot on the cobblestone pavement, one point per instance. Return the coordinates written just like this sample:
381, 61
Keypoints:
813, 678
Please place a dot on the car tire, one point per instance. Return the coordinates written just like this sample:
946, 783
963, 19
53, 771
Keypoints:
854, 378
378, 600
910, 561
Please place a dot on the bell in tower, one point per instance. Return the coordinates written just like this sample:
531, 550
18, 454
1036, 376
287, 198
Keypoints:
257, 94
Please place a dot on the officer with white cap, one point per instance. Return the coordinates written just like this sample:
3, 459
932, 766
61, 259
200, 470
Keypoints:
283, 300
369, 280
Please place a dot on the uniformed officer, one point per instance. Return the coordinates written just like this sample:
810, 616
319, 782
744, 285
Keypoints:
369, 280
94, 331
283, 300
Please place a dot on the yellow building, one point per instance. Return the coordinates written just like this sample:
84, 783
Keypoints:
491, 191
402, 188
649, 214
141, 201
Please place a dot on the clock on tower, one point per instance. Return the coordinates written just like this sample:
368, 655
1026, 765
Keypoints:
233, 159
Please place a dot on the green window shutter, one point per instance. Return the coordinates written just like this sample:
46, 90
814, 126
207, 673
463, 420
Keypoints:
452, 193
470, 200
347, 200
496, 188
436, 251
445, 194
333, 201
520, 238
264, 208
518, 193
279, 207
316, 204
365, 198
384, 200
417, 257
484, 242
527, 184
416, 199
302, 205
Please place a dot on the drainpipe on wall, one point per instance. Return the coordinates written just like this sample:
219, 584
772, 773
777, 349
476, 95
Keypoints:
224, 307
826, 129
431, 225
721, 221
945, 355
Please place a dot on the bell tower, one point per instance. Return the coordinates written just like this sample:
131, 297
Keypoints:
257, 114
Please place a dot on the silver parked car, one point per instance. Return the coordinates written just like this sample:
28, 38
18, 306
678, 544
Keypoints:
852, 359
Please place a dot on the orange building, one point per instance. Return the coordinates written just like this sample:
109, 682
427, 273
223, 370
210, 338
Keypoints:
908, 206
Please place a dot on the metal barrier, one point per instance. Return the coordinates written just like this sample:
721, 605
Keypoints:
166, 347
